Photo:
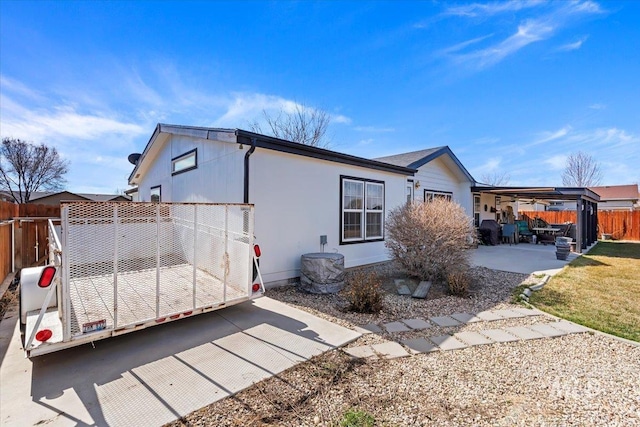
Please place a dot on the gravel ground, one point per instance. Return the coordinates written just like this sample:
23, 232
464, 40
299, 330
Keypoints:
576, 380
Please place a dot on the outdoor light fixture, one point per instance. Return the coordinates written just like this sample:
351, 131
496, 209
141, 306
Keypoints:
417, 185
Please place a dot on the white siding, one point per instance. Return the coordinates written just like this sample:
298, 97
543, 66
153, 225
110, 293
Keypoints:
298, 199
436, 175
218, 177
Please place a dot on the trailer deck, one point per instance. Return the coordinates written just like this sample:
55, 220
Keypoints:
92, 299
123, 267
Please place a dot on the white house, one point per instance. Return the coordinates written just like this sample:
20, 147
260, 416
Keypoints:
302, 195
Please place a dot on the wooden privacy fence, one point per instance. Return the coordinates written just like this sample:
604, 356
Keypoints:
7, 212
622, 225
29, 233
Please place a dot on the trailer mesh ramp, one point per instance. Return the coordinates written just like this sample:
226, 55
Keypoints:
131, 263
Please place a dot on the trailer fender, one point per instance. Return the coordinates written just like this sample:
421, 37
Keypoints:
32, 296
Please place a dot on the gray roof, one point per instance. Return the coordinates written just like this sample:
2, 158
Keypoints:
93, 197
406, 159
415, 159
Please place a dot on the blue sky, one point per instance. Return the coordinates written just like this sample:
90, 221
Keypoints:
509, 86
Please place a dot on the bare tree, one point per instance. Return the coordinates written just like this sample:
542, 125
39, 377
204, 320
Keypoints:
496, 179
26, 167
304, 125
581, 170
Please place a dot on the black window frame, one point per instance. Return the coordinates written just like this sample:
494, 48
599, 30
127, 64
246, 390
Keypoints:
159, 187
190, 168
364, 238
448, 195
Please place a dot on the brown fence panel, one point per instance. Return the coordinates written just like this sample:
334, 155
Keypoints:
34, 243
7, 212
622, 225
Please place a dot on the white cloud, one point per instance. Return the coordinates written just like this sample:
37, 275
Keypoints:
60, 122
573, 46
556, 162
365, 141
597, 106
551, 136
245, 108
464, 44
490, 9
339, 118
491, 165
529, 31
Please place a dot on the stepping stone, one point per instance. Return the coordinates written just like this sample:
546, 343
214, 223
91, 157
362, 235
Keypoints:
473, 338
401, 287
416, 323
547, 330
360, 352
395, 327
466, 318
499, 335
390, 350
372, 327
420, 345
528, 311
444, 321
509, 314
570, 327
524, 333
362, 331
422, 290
488, 316
447, 342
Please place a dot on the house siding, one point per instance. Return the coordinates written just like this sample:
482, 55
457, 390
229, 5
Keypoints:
296, 198
217, 178
302, 196
437, 175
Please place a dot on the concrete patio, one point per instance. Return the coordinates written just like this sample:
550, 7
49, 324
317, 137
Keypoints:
151, 377
523, 258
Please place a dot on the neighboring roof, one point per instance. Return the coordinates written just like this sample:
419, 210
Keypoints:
541, 193
617, 192
240, 136
37, 195
415, 159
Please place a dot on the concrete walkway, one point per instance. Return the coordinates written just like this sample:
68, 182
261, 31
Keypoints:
463, 339
151, 377
523, 258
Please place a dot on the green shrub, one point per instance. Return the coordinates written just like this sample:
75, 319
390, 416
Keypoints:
364, 292
357, 418
429, 240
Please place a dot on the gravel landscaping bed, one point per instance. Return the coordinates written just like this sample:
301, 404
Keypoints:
577, 380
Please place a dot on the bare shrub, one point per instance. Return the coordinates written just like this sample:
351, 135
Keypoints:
429, 240
364, 292
458, 282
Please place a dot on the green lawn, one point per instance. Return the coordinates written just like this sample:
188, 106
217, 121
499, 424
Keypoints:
600, 289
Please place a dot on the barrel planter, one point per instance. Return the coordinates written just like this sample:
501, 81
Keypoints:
563, 247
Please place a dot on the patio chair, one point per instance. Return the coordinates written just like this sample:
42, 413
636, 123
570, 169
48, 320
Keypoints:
509, 233
523, 231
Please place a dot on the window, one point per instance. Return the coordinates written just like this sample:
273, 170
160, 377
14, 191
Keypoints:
409, 191
155, 194
184, 162
362, 210
429, 195
476, 210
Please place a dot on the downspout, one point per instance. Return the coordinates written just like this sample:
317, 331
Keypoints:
246, 169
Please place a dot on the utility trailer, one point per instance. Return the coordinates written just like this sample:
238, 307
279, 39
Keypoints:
118, 267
